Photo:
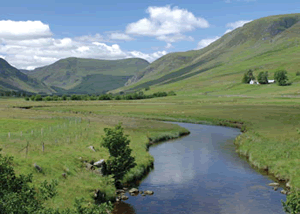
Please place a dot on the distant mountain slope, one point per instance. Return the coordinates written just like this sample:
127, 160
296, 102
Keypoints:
12, 79
266, 43
74, 74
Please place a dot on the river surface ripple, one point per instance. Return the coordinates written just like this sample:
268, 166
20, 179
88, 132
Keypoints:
202, 173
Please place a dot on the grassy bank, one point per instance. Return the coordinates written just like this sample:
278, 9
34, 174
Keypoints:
55, 141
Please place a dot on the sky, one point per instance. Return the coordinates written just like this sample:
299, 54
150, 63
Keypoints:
35, 33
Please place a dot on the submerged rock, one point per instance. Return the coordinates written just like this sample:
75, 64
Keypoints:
273, 184
118, 191
275, 188
148, 192
288, 185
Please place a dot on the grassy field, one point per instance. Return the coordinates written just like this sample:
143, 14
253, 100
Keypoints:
270, 135
66, 137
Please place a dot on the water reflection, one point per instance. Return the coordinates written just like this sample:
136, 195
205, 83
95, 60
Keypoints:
201, 173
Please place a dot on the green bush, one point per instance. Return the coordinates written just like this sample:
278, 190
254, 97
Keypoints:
292, 204
27, 98
298, 73
262, 77
38, 97
32, 97
171, 93
64, 97
147, 88
48, 98
120, 160
281, 78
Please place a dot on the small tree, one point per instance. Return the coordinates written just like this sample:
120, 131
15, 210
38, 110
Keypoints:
64, 97
280, 77
120, 160
38, 97
262, 77
248, 76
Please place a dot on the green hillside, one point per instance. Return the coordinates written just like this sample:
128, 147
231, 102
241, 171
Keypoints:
76, 74
265, 44
12, 79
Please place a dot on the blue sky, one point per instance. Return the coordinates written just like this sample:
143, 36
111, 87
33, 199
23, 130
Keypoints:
37, 33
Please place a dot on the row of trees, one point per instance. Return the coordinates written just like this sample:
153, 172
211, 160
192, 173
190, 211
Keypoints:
133, 96
279, 76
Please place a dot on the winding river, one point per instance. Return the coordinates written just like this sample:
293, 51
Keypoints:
202, 173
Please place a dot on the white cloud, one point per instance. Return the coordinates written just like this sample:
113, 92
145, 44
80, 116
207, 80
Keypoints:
167, 24
169, 45
120, 36
205, 42
36, 47
174, 38
234, 25
18, 30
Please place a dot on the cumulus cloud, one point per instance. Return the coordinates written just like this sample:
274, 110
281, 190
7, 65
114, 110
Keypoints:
18, 30
205, 42
36, 47
120, 36
169, 45
167, 24
234, 25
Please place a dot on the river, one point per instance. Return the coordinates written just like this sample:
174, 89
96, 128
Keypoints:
202, 173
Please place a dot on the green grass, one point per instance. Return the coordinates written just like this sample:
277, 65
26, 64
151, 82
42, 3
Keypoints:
66, 137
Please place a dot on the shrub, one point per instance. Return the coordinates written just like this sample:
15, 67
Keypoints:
38, 97
280, 77
292, 204
55, 98
64, 97
74, 97
147, 88
32, 97
118, 97
48, 98
171, 93
262, 77
298, 73
120, 160
27, 98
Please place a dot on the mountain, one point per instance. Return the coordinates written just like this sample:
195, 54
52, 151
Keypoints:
268, 43
13, 79
78, 75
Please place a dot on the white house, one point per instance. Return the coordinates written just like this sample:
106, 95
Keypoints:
253, 82
271, 81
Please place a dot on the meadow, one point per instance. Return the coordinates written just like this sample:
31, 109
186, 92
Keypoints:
269, 125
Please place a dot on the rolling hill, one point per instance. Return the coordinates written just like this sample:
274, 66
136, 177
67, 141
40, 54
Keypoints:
268, 43
11, 79
77, 75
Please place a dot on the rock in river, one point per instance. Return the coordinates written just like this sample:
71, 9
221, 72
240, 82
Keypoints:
134, 190
148, 192
124, 197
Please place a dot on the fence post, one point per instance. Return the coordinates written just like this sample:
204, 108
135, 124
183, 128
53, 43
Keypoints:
8, 134
27, 149
43, 147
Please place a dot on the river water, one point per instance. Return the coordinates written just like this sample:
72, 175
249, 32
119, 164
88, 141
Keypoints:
202, 173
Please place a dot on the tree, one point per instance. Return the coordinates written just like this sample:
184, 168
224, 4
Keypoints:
64, 97
38, 97
248, 76
280, 77
262, 77
120, 160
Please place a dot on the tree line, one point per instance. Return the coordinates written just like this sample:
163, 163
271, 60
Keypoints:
86, 97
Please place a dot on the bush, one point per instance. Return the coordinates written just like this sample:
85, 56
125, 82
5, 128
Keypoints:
292, 204
147, 88
118, 97
48, 98
120, 160
64, 97
298, 73
262, 77
32, 97
74, 97
38, 97
171, 93
27, 98
55, 98
281, 78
